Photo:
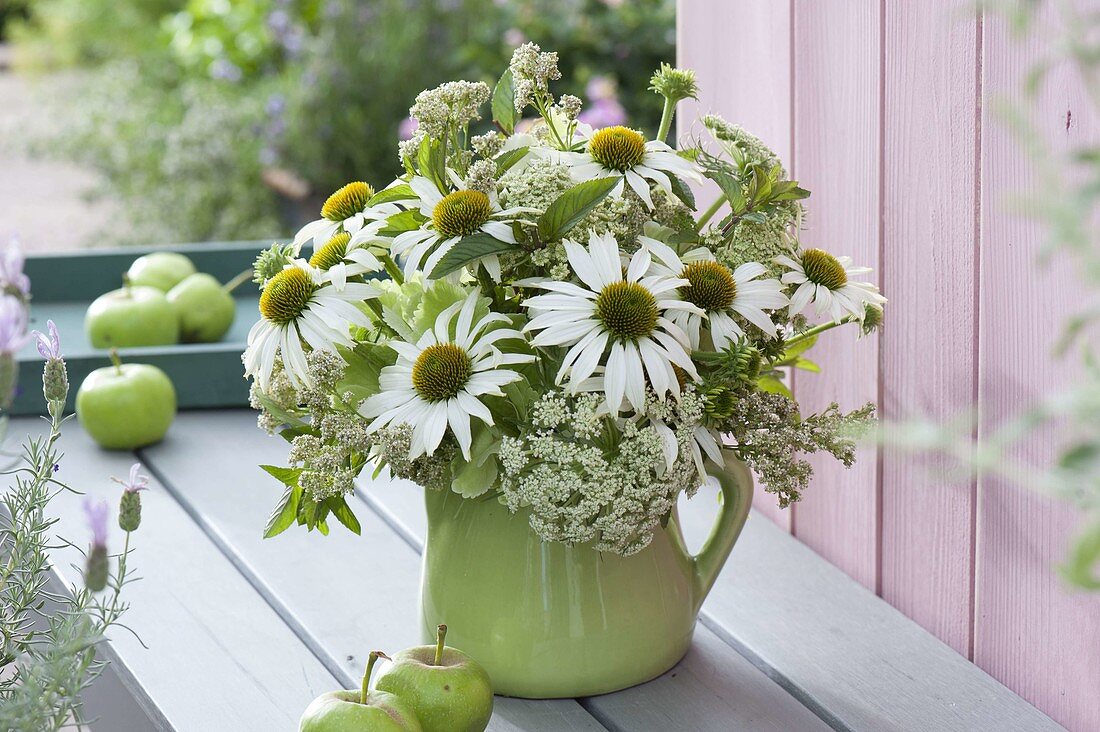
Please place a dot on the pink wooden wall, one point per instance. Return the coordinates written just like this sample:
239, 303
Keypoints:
883, 110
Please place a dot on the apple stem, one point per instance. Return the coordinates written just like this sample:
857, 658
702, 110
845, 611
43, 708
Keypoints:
126, 282
440, 635
239, 280
365, 690
116, 361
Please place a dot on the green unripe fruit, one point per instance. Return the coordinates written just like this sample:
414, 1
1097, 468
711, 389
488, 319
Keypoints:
162, 270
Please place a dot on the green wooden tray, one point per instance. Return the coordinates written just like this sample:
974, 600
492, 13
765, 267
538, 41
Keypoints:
205, 374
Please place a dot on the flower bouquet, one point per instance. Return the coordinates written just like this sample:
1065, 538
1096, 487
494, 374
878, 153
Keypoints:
534, 324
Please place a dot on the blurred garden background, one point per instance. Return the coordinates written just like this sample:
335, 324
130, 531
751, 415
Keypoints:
166, 121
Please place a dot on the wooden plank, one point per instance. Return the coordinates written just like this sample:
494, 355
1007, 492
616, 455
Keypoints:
836, 156
929, 347
343, 595
845, 653
748, 81
218, 657
713, 688
1032, 632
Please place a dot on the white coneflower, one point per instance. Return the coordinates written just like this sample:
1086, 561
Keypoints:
340, 257
435, 384
626, 315
719, 293
296, 305
346, 210
450, 218
621, 151
825, 281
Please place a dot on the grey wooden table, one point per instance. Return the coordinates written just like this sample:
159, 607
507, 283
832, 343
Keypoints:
242, 633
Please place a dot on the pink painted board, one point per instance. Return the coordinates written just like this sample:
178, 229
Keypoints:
837, 118
929, 258
1032, 633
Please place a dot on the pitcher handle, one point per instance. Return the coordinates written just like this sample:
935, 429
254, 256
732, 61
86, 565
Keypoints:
736, 483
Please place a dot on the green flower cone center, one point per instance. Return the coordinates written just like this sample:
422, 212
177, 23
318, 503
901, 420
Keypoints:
823, 269
332, 253
711, 286
286, 295
461, 213
627, 310
619, 148
440, 371
348, 201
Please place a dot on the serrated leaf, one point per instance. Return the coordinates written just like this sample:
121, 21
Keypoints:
507, 160
285, 512
401, 192
504, 103
731, 189
344, 514
682, 191
469, 249
286, 476
569, 208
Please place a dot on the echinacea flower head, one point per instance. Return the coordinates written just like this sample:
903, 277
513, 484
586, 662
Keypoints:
347, 210
620, 319
621, 151
437, 382
721, 294
827, 282
49, 346
452, 216
342, 257
299, 304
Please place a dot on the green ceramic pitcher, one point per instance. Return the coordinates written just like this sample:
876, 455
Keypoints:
549, 620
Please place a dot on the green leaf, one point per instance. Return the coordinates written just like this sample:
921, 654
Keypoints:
344, 514
506, 160
286, 476
402, 222
1083, 565
799, 348
569, 208
400, 192
806, 365
469, 249
731, 189
285, 512
430, 162
504, 103
682, 191
277, 412
473, 477
290, 433
365, 364
773, 385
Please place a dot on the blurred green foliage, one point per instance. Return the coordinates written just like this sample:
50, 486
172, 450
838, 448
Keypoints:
223, 119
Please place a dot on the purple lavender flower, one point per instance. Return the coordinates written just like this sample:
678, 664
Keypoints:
12, 279
407, 128
96, 513
136, 482
129, 509
13, 325
49, 347
603, 113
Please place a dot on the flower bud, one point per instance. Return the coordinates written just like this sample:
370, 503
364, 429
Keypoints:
129, 511
96, 569
55, 380
674, 84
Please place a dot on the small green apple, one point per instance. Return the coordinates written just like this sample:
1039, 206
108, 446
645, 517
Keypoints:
162, 270
449, 690
126, 405
204, 307
360, 711
131, 316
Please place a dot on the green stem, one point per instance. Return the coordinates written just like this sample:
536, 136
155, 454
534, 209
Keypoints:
116, 361
394, 271
440, 635
667, 114
709, 213
239, 280
364, 691
806, 334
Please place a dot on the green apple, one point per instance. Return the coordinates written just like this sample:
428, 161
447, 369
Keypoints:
204, 307
131, 316
360, 711
126, 405
449, 690
162, 270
